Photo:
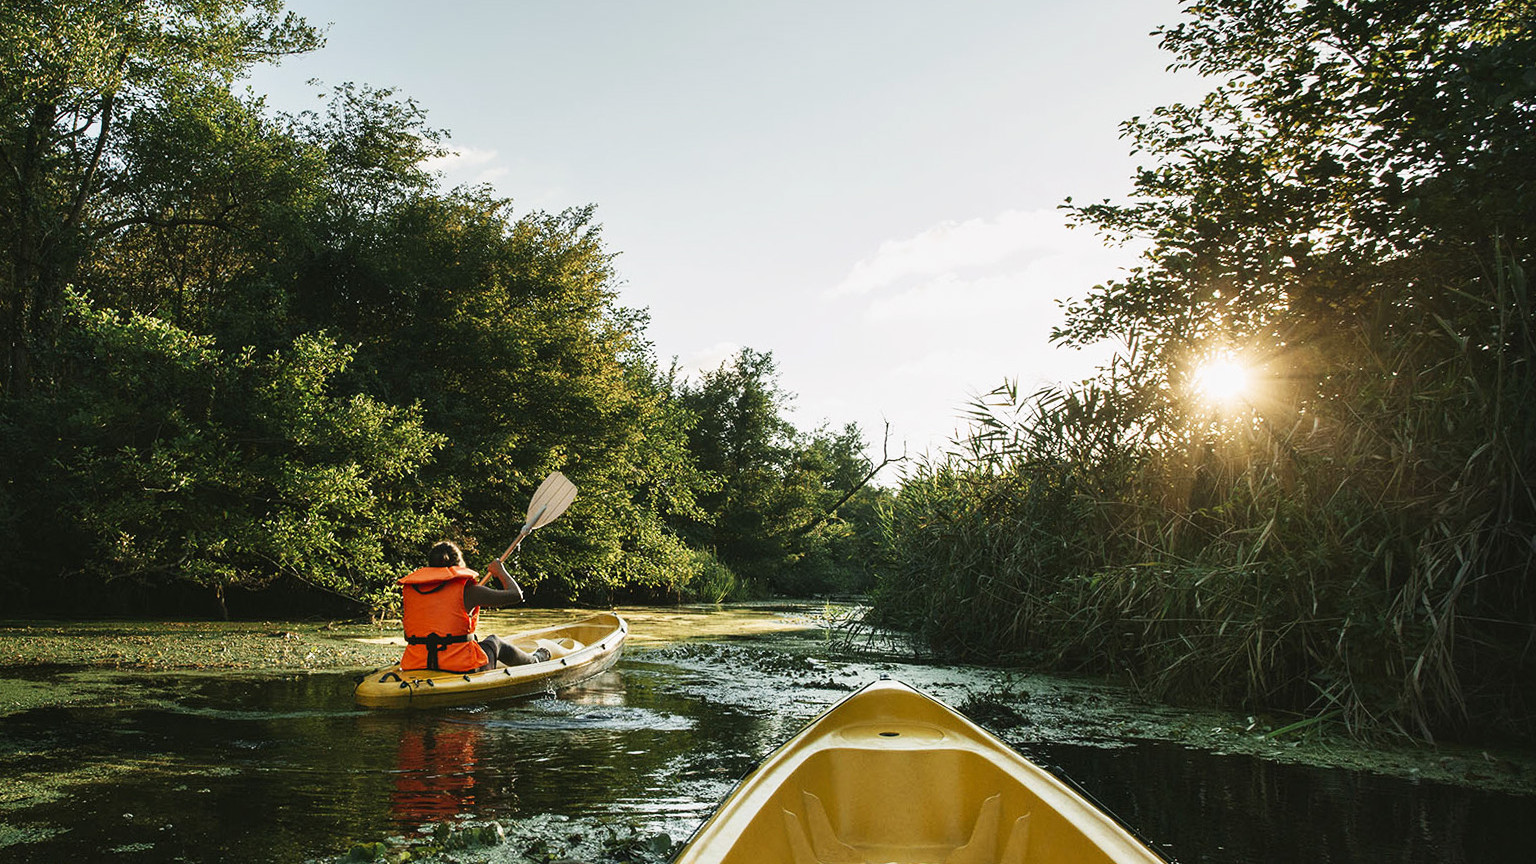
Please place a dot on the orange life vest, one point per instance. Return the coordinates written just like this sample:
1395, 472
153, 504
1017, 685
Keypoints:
439, 633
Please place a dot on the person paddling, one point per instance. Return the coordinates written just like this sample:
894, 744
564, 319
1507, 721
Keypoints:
440, 610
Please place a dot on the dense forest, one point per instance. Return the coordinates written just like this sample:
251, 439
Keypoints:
255, 360
1346, 222
252, 355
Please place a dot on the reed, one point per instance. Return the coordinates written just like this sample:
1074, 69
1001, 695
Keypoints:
1362, 548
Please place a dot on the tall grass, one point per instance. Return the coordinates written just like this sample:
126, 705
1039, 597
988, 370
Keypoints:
1360, 547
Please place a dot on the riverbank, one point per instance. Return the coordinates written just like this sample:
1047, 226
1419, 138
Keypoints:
298, 646
161, 739
187, 645
1016, 705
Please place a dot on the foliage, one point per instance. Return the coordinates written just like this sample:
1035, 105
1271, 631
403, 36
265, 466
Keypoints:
710, 581
507, 331
1348, 214
243, 345
765, 519
167, 461
72, 74
980, 539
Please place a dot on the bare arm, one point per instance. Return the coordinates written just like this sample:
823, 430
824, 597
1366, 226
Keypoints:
484, 595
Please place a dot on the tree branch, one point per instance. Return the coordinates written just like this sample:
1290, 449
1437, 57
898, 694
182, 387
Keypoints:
89, 179
172, 222
885, 459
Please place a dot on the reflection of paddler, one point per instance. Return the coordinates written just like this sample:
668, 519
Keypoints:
435, 771
440, 609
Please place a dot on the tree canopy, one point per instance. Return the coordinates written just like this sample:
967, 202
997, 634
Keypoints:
774, 514
1344, 223
247, 349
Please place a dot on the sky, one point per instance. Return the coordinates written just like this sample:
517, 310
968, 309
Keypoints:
867, 189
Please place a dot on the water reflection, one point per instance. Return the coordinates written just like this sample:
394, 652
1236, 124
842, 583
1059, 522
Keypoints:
435, 772
1202, 807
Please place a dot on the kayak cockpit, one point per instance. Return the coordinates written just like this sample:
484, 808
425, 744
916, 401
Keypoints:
890, 776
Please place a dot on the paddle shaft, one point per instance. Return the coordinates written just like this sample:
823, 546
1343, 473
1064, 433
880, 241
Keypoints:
510, 549
550, 500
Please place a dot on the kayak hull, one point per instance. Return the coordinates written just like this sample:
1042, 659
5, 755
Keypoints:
578, 651
890, 775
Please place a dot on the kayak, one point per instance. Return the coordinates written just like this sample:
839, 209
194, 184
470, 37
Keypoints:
577, 651
890, 775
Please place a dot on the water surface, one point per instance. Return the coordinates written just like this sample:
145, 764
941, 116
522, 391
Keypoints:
161, 767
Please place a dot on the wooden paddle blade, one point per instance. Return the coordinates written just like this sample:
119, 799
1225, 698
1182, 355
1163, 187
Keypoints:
550, 500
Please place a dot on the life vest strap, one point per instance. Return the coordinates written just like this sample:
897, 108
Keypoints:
435, 643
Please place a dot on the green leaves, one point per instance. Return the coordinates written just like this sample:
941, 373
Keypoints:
244, 348
1350, 210
171, 461
100, 106
763, 518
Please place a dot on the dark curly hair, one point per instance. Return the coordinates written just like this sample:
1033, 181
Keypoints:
445, 554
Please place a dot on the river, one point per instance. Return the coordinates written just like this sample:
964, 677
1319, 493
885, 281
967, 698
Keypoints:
144, 764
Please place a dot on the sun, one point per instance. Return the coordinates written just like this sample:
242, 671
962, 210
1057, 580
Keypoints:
1222, 380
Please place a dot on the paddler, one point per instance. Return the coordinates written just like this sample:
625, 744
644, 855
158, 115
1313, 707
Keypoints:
441, 608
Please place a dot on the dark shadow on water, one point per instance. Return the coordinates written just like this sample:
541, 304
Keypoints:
251, 769
1196, 807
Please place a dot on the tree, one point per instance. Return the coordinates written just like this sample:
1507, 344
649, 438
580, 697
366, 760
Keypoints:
1347, 215
1353, 148
769, 518
507, 331
309, 270
73, 76
163, 461
1350, 212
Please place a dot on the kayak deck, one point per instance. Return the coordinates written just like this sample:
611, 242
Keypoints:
578, 651
890, 775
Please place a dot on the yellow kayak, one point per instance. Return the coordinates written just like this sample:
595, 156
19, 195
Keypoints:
890, 776
577, 651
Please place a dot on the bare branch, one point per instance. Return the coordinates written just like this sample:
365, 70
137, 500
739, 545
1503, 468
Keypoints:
885, 459
89, 180
171, 222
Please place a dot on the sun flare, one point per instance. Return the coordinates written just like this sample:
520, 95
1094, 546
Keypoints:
1222, 380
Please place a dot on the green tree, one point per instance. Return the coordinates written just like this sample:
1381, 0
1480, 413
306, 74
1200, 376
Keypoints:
840, 546
1348, 214
741, 437
1349, 211
78, 82
508, 332
1353, 149
163, 462
768, 519
308, 269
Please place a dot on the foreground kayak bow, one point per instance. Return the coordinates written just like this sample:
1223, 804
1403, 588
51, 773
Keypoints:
890, 775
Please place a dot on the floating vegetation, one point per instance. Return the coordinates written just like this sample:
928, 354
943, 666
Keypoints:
539, 839
13, 836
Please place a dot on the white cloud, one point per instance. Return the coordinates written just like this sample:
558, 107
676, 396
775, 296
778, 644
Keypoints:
468, 166
707, 359
950, 298
491, 175
955, 310
461, 160
954, 246
517, 177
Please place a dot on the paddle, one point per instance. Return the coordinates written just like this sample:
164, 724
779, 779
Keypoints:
550, 500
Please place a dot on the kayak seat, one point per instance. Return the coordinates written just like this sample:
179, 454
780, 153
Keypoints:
559, 647
872, 828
